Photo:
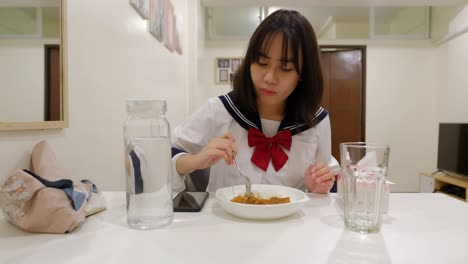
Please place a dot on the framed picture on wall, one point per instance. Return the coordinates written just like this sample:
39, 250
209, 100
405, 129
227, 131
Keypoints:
169, 23
235, 63
225, 68
223, 63
178, 45
156, 19
142, 7
223, 76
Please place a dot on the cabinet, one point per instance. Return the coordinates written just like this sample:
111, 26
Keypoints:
454, 186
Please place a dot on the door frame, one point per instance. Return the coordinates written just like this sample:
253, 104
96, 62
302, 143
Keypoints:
363, 49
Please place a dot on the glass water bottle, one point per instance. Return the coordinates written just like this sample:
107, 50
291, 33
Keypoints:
148, 164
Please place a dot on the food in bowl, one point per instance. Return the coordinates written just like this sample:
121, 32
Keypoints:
258, 211
252, 199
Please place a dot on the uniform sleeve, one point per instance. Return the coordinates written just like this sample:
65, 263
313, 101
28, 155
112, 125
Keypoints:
324, 144
192, 135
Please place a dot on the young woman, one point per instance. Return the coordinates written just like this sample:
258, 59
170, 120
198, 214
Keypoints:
271, 122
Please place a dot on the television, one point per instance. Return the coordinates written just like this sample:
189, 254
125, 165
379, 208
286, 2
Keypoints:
452, 155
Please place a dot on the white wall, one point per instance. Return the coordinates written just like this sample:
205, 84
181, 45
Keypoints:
197, 42
351, 30
207, 86
409, 21
441, 16
454, 93
111, 58
401, 108
330, 32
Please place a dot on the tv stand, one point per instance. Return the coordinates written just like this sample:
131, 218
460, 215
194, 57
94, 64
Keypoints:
451, 184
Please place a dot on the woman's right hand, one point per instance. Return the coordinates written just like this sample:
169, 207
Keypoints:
222, 147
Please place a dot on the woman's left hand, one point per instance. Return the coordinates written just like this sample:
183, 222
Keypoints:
318, 178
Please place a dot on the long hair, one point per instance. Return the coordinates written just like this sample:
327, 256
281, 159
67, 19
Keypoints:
299, 36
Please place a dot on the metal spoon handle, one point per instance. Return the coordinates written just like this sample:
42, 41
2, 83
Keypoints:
247, 184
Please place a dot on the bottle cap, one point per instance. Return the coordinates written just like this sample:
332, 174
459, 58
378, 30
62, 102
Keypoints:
148, 106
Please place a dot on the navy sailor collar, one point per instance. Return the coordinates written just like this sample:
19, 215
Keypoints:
252, 119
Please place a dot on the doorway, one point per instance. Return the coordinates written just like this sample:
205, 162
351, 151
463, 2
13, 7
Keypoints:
344, 72
53, 96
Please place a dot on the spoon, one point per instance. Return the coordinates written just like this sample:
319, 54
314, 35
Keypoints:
247, 184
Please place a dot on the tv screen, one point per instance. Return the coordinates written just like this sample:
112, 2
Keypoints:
453, 148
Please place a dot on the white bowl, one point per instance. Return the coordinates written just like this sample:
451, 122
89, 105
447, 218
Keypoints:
261, 212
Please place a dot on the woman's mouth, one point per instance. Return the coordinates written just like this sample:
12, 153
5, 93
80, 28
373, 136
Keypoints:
267, 92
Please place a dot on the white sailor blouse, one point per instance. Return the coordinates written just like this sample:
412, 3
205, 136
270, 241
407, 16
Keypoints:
270, 152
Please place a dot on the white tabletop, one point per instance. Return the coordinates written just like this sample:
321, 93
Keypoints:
420, 228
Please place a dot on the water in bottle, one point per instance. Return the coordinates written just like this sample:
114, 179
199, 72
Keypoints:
148, 172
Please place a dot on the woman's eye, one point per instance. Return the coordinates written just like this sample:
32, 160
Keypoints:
287, 67
262, 63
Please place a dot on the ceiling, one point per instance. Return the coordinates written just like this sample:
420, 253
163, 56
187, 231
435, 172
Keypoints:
246, 14
331, 2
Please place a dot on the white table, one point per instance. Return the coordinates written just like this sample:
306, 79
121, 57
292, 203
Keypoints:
420, 228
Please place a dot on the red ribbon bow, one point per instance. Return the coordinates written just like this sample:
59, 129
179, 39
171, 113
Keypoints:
269, 148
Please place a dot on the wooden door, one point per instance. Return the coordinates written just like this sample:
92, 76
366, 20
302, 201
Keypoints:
53, 95
344, 93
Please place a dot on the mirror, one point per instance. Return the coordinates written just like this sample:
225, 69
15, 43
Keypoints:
33, 68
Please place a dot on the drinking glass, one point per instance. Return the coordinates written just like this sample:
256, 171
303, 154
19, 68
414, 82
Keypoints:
364, 168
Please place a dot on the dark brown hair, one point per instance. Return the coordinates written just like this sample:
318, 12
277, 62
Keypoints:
299, 35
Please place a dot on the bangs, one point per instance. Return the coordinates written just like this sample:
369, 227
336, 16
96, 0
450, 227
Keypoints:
263, 44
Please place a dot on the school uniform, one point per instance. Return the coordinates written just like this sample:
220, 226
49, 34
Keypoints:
270, 152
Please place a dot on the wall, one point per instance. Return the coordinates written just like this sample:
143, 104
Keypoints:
20, 20
410, 21
453, 94
206, 65
352, 30
197, 37
401, 108
51, 22
111, 58
441, 16
17, 20
330, 32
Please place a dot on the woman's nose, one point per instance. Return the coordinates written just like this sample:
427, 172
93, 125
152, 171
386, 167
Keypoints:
270, 76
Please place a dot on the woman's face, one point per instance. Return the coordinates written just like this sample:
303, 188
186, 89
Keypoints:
274, 80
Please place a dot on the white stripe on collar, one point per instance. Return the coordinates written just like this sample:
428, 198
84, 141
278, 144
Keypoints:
239, 114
